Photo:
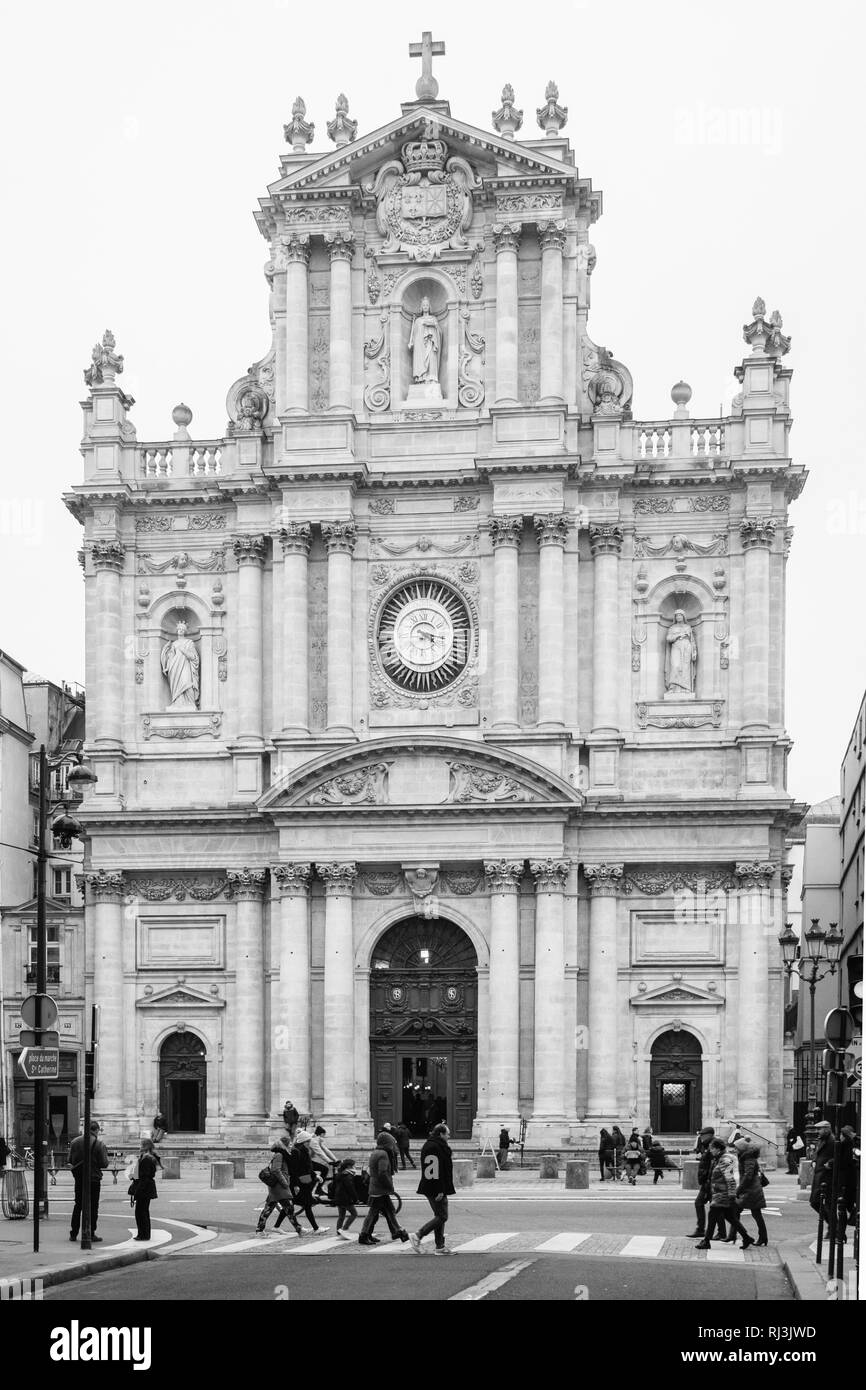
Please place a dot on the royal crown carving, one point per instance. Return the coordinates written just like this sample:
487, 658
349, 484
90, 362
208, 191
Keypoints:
424, 202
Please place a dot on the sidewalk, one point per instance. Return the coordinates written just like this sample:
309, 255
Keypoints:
809, 1280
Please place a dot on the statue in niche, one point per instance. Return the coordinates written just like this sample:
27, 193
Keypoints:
425, 345
681, 656
180, 666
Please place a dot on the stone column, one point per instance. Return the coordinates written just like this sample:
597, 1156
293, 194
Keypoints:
291, 1032
250, 555
339, 989
503, 879
551, 238
104, 895
548, 1072
248, 1031
755, 916
506, 239
606, 545
295, 540
341, 245
107, 693
340, 543
756, 534
603, 881
552, 531
505, 533
297, 323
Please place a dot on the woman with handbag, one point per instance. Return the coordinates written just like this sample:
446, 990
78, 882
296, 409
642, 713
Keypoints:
750, 1189
142, 1189
723, 1186
795, 1149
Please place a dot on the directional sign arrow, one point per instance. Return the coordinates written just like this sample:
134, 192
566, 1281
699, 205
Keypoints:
40, 1063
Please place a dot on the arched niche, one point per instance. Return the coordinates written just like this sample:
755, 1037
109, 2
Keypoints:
406, 300
697, 601
157, 625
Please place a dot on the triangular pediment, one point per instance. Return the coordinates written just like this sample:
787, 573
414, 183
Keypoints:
180, 997
427, 772
678, 994
30, 908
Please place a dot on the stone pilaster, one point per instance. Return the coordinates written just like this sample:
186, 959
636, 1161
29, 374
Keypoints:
297, 247
340, 543
295, 541
606, 546
505, 532
756, 534
104, 918
341, 247
250, 1069
293, 1021
506, 240
104, 721
339, 1017
249, 552
503, 881
603, 881
551, 876
551, 238
756, 921
552, 532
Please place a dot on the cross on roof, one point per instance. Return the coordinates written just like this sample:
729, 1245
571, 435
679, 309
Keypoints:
426, 88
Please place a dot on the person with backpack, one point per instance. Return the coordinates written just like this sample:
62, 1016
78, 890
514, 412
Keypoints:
750, 1189
275, 1176
345, 1197
437, 1185
633, 1158
98, 1162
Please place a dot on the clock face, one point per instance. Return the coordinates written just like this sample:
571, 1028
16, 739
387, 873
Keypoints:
424, 635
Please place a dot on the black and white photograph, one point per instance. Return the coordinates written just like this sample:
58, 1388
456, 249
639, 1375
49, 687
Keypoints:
432, 716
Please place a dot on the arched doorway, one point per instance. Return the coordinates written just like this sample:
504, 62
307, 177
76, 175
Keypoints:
424, 1027
183, 1083
675, 1083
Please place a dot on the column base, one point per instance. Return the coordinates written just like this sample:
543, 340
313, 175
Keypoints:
546, 1131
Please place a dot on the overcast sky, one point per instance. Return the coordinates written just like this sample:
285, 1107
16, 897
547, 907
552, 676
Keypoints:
726, 138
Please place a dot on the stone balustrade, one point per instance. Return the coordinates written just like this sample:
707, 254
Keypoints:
173, 460
654, 439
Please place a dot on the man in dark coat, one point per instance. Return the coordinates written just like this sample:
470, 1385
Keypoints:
290, 1118
437, 1185
404, 1140
825, 1146
98, 1161
705, 1168
381, 1192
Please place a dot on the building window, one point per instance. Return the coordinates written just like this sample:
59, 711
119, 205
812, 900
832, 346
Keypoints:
52, 954
34, 832
62, 884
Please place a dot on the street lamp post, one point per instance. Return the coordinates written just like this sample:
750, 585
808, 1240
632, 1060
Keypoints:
813, 958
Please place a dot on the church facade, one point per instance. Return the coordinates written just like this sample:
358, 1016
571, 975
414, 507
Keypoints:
437, 707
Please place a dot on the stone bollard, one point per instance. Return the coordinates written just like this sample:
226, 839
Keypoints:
804, 1174
485, 1166
170, 1168
549, 1167
239, 1163
690, 1174
222, 1174
464, 1172
577, 1172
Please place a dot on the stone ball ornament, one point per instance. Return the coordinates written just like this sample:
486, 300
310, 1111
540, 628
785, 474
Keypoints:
182, 416
681, 393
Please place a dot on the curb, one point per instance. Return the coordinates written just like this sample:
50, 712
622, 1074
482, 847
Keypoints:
806, 1278
65, 1274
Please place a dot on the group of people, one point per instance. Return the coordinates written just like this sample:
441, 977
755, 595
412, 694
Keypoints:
730, 1182
628, 1159
830, 1153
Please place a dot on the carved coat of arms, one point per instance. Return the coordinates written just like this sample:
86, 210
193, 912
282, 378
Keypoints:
424, 203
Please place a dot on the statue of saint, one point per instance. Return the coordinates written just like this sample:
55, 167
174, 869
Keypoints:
425, 344
681, 656
180, 664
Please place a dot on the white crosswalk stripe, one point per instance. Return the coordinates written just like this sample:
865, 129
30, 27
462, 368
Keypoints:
481, 1243
315, 1246
646, 1246
565, 1241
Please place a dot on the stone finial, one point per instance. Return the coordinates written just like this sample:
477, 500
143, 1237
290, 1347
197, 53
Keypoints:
299, 132
552, 117
341, 129
764, 336
681, 394
182, 417
427, 87
106, 364
507, 120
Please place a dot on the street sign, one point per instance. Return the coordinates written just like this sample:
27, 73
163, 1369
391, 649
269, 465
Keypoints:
28, 1038
839, 1029
40, 1063
29, 1011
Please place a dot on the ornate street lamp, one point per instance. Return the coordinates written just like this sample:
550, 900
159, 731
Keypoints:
819, 953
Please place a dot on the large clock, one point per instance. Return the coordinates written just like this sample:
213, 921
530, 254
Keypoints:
424, 635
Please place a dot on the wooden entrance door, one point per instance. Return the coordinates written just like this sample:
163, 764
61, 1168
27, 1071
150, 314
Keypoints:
183, 1083
675, 1083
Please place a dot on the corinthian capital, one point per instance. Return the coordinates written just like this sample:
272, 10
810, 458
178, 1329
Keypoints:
295, 538
339, 879
249, 550
503, 875
603, 879
755, 874
292, 880
103, 885
339, 536
551, 875
757, 532
506, 236
505, 530
605, 540
246, 884
551, 236
552, 529
107, 555
297, 247
340, 244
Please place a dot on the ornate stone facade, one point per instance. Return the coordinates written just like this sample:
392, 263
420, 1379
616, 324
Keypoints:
428, 594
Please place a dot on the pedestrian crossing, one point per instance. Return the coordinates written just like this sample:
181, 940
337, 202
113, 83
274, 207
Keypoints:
600, 1244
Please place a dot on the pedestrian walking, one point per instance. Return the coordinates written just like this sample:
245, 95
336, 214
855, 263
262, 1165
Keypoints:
705, 1168
390, 1142
404, 1142
794, 1150
605, 1153
504, 1146
381, 1193
723, 1183
658, 1160
4, 1153
98, 1163
159, 1128
291, 1118
750, 1188
825, 1145
279, 1189
633, 1157
437, 1185
301, 1177
321, 1159
144, 1189
345, 1197
618, 1146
